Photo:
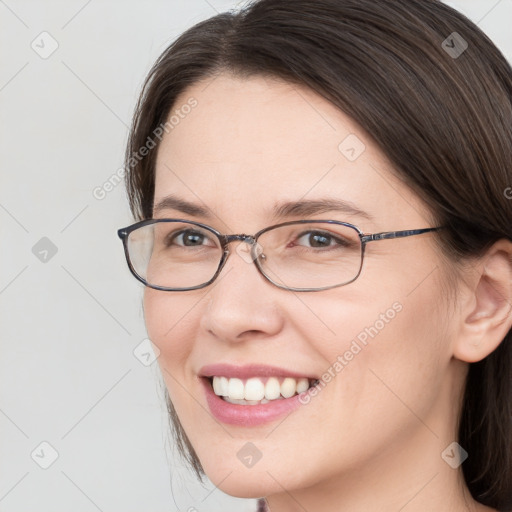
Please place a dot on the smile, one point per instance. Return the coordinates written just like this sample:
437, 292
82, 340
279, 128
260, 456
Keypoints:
270, 391
259, 390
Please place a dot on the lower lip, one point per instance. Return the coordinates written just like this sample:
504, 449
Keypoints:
248, 415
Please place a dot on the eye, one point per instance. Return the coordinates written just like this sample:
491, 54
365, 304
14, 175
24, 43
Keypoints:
188, 238
321, 239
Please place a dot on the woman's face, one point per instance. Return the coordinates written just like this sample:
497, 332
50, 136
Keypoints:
384, 340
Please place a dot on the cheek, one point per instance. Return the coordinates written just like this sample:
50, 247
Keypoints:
170, 323
381, 351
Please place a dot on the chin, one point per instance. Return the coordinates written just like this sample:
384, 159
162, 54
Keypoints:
245, 484
263, 479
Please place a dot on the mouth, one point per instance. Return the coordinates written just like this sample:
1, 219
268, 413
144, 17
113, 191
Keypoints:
258, 390
254, 394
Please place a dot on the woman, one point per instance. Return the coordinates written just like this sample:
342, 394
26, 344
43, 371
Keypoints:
357, 355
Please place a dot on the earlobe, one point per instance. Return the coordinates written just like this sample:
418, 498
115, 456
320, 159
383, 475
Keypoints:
488, 316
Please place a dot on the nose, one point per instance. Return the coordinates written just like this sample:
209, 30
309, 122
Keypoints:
242, 303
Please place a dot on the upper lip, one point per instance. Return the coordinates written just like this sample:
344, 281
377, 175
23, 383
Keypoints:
250, 370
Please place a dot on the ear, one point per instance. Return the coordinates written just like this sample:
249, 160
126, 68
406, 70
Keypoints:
487, 313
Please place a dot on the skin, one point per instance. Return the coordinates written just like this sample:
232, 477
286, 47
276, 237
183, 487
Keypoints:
372, 438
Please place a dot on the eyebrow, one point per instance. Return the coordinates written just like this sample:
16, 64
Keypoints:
282, 210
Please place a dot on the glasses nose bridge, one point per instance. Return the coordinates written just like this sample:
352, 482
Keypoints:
227, 239
241, 237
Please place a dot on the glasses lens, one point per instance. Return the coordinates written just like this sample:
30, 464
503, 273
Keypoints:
174, 254
311, 255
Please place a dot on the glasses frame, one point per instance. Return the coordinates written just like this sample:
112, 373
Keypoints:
224, 240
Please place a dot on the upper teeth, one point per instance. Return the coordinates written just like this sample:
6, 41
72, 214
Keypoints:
256, 388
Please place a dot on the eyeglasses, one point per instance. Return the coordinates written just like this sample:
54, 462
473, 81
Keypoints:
302, 255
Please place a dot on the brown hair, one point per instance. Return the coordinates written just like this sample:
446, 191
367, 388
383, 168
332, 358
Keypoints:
442, 115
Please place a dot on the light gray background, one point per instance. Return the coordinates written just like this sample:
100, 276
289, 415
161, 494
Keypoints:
69, 325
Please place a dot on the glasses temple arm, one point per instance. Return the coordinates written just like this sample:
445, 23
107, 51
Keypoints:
396, 234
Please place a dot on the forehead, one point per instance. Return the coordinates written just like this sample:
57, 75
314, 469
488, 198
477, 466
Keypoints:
248, 144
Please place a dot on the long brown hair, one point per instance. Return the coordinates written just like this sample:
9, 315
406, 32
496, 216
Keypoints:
433, 92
